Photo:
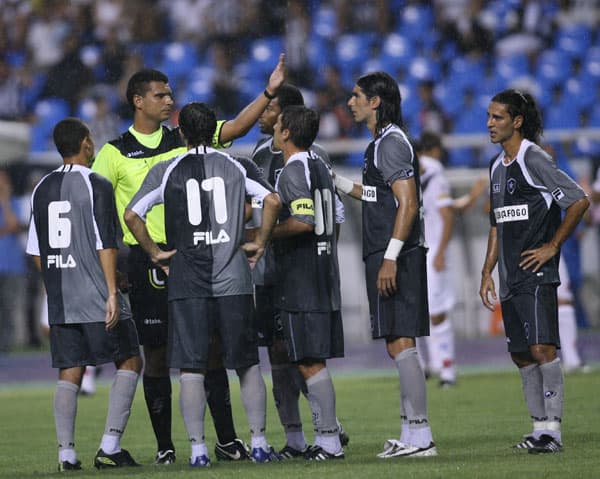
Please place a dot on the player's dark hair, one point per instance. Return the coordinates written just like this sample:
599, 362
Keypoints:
303, 124
198, 123
386, 88
288, 95
522, 103
428, 141
68, 135
139, 83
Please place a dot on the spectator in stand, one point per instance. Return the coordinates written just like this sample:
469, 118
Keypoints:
11, 93
431, 115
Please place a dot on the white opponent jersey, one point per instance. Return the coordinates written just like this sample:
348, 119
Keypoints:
526, 198
73, 216
204, 193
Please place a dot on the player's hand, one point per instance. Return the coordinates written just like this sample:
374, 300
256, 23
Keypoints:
386, 278
439, 262
487, 289
534, 259
277, 76
253, 251
112, 311
162, 259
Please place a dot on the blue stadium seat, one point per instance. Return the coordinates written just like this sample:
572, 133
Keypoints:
561, 114
591, 63
462, 157
264, 54
324, 22
48, 112
465, 73
415, 21
553, 68
423, 68
583, 92
573, 39
512, 67
396, 51
351, 50
178, 59
151, 52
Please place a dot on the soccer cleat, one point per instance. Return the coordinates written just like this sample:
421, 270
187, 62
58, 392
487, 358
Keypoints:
235, 450
527, 443
395, 448
317, 453
118, 459
545, 444
289, 452
200, 461
344, 438
165, 457
447, 384
259, 454
69, 466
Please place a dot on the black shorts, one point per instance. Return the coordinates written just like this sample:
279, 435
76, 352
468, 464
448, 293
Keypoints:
268, 321
194, 323
84, 344
531, 317
406, 313
313, 335
148, 297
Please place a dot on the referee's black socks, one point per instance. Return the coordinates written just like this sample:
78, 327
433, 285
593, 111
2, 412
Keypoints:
218, 397
157, 392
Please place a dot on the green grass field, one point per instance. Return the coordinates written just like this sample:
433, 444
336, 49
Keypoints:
474, 426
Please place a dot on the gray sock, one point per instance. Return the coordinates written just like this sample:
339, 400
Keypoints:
412, 385
65, 411
192, 402
121, 396
553, 388
254, 398
286, 394
531, 380
322, 394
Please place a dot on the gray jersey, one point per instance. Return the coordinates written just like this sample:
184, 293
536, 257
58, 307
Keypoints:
526, 197
73, 216
204, 193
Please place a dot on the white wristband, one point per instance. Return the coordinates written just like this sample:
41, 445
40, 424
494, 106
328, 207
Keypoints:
343, 184
393, 249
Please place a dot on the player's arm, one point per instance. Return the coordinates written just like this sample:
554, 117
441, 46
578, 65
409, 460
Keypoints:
405, 192
534, 259
347, 186
295, 193
246, 118
108, 261
487, 286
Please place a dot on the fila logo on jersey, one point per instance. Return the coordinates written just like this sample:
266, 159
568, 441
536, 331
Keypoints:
558, 194
59, 261
507, 214
208, 237
369, 193
511, 185
323, 247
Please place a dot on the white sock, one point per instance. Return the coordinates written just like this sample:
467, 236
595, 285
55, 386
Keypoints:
259, 441
442, 348
67, 455
567, 324
110, 443
198, 450
88, 382
424, 351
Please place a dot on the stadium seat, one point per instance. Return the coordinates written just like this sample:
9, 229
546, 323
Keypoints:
48, 112
573, 39
178, 59
462, 157
264, 54
423, 68
415, 21
396, 51
151, 52
553, 68
351, 50
324, 22
465, 73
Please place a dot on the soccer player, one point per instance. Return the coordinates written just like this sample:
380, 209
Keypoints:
210, 290
73, 239
394, 252
438, 211
287, 380
527, 193
125, 161
307, 272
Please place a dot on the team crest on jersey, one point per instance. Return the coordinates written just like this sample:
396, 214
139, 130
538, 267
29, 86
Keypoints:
558, 194
511, 185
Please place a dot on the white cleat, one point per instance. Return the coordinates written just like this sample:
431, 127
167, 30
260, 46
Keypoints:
395, 448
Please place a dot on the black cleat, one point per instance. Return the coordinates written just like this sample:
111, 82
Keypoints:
527, 443
235, 450
118, 459
165, 457
545, 444
317, 453
289, 452
69, 466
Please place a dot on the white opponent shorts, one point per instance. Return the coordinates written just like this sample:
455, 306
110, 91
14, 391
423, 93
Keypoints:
440, 291
564, 290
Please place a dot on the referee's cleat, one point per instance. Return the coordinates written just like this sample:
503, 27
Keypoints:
200, 461
235, 450
118, 459
317, 453
289, 452
69, 466
546, 444
527, 443
165, 457
259, 454
344, 438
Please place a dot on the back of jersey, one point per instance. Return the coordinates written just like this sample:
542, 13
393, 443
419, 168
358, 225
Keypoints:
73, 216
204, 198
